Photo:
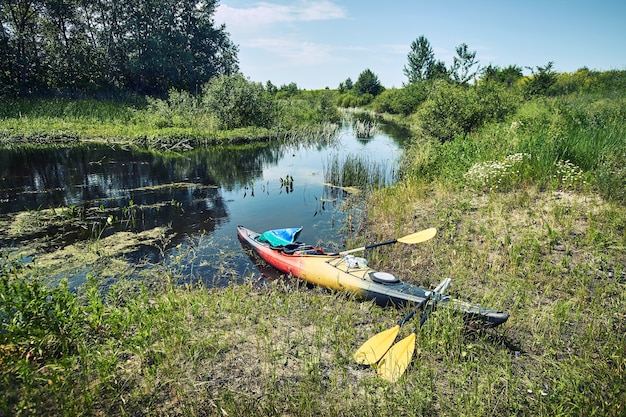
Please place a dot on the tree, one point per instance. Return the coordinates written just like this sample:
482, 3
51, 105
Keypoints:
345, 86
144, 46
20, 30
288, 90
507, 76
368, 83
422, 64
271, 88
438, 71
171, 44
541, 81
462, 65
421, 59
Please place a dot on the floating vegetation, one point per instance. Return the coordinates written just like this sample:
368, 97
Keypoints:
287, 183
349, 190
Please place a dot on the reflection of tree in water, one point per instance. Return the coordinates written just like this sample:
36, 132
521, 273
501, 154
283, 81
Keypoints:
142, 189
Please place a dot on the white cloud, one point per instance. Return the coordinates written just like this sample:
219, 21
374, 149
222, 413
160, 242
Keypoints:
295, 52
264, 13
273, 29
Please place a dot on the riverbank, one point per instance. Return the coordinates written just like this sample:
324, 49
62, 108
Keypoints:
178, 122
50, 121
531, 219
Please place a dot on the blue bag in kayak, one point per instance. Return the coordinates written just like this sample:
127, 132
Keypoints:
280, 237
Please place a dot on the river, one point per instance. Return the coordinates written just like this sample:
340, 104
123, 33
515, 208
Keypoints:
96, 198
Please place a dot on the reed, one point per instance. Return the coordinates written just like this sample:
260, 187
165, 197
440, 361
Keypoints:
365, 128
357, 171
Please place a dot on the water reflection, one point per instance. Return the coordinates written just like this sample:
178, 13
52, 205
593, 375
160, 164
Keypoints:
200, 195
49, 177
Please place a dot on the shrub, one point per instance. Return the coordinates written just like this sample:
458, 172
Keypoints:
445, 114
452, 110
351, 99
305, 109
180, 109
584, 81
41, 322
541, 81
402, 101
611, 175
237, 102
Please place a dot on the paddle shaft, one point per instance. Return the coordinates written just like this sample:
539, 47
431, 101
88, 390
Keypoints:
411, 239
407, 318
438, 293
366, 247
375, 245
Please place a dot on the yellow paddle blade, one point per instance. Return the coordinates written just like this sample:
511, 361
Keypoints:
397, 359
419, 237
376, 346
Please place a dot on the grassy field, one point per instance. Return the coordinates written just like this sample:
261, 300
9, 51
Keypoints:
531, 218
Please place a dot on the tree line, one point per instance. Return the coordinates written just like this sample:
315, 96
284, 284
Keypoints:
110, 47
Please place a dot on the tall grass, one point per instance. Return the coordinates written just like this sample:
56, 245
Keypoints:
569, 143
70, 110
357, 171
159, 123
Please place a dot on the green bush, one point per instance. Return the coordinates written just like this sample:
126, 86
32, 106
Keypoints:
237, 102
305, 109
180, 109
453, 110
40, 322
351, 99
584, 81
540, 82
402, 101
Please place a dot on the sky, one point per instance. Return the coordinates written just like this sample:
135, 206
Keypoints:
319, 44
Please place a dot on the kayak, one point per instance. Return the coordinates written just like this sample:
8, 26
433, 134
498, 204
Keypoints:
349, 274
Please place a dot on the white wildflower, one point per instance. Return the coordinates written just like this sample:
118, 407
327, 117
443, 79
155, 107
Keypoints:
489, 175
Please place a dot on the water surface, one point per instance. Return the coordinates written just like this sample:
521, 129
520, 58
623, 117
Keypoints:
199, 196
